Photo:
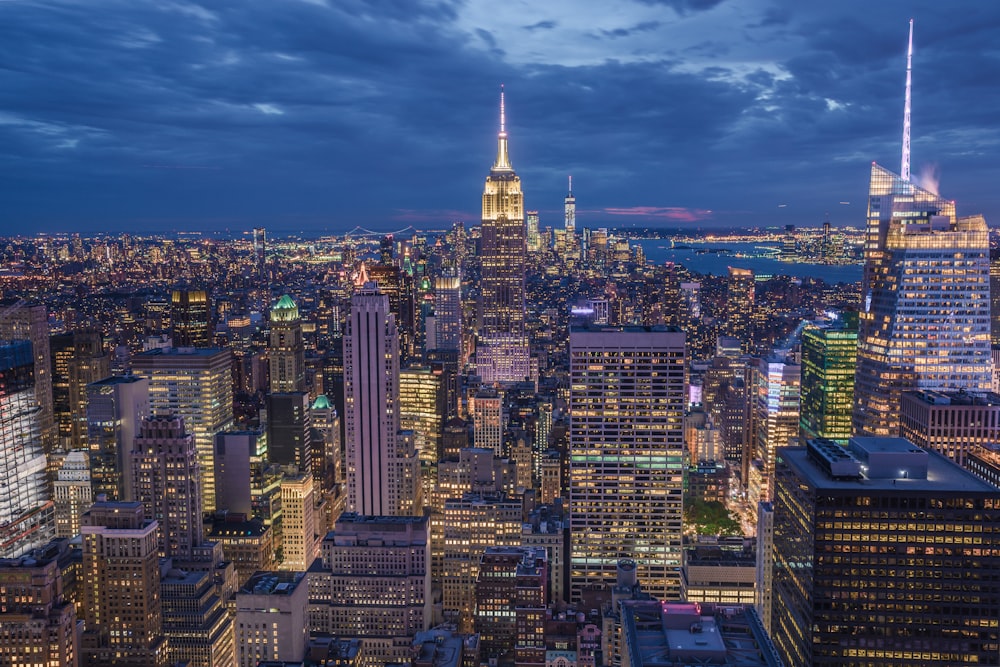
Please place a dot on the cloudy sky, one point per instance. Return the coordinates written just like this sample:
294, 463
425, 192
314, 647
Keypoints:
313, 115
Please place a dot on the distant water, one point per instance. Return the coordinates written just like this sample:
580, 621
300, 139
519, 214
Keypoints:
659, 251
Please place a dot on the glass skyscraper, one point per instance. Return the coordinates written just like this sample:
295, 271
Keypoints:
829, 355
925, 317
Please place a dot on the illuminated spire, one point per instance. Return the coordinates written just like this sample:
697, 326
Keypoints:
904, 170
571, 185
503, 159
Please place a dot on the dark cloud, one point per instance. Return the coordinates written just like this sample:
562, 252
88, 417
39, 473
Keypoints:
323, 115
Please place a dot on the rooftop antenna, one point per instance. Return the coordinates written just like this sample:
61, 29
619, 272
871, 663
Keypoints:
904, 170
503, 116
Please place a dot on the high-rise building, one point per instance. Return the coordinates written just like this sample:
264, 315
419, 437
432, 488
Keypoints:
27, 514
115, 407
740, 306
78, 359
260, 254
289, 430
448, 310
270, 622
487, 420
122, 606
570, 210
72, 493
382, 468
925, 321
373, 584
287, 350
191, 318
22, 321
777, 417
627, 398
502, 347
421, 409
829, 355
37, 620
952, 424
298, 522
166, 478
880, 552
196, 384
511, 594
196, 621
534, 237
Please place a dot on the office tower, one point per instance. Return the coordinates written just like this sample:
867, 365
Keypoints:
195, 384
373, 584
511, 594
502, 347
487, 420
78, 359
247, 543
298, 522
829, 355
115, 407
196, 621
397, 285
722, 572
570, 210
627, 397
534, 237
271, 619
952, 424
27, 515
289, 430
37, 621
764, 579
21, 321
740, 306
778, 389
166, 478
471, 524
421, 409
879, 557
190, 318
260, 254
448, 310
72, 493
382, 473
995, 298
550, 471
287, 350
238, 456
327, 467
123, 609
925, 316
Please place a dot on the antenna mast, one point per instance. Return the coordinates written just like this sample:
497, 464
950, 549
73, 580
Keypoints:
904, 170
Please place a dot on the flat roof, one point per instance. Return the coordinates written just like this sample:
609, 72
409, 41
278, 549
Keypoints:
943, 476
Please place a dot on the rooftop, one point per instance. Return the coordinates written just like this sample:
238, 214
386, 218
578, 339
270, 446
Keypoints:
272, 583
880, 464
987, 399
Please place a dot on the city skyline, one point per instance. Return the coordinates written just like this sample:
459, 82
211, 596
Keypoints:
671, 114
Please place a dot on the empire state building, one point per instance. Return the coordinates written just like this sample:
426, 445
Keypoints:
502, 355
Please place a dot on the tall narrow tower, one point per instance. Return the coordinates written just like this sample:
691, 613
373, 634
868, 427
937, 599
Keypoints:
287, 351
925, 318
570, 204
502, 348
382, 467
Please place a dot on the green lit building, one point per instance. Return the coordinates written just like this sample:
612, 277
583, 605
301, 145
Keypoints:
829, 354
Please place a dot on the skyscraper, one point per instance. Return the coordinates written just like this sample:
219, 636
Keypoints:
122, 605
925, 317
196, 384
502, 347
382, 468
880, 557
925, 320
167, 479
27, 515
22, 321
829, 355
570, 210
287, 350
777, 417
115, 406
191, 318
627, 396
740, 306
448, 310
72, 493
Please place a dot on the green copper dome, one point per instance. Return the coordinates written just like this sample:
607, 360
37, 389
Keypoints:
285, 310
321, 403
